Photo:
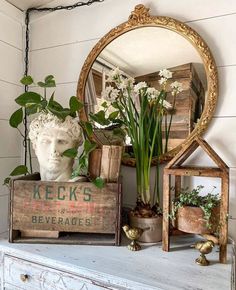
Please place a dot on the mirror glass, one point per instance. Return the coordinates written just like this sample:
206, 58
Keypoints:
141, 53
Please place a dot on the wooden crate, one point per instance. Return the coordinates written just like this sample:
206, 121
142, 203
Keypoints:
79, 211
189, 103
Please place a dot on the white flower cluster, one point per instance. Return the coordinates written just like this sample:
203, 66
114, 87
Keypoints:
110, 93
165, 74
177, 87
126, 86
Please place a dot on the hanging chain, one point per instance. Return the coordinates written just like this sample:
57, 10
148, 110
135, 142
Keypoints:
26, 60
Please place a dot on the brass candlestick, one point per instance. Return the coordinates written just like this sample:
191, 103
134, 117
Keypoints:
133, 234
204, 247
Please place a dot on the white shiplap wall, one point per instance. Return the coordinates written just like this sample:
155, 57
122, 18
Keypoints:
60, 42
11, 70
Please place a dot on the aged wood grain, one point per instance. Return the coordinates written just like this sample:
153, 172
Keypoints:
60, 206
110, 162
166, 212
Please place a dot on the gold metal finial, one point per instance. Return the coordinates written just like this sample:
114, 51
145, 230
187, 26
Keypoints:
133, 234
140, 14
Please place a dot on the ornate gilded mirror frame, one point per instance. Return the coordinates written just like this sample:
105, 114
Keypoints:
140, 17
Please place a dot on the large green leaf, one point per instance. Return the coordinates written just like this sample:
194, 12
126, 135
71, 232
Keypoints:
99, 182
89, 146
113, 115
49, 82
62, 114
100, 118
115, 105
53, 104
88, 128
48, 78
65, 112
56, 109
41, 84
28, 98
71, 153
44, 103
19, 170
33, 109
16, 118
27, 80
75, 104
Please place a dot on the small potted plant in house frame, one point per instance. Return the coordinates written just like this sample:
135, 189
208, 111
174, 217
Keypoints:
196, 213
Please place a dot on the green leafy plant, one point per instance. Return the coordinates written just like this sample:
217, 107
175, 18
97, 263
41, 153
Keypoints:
106, 120
31, 103
193, 198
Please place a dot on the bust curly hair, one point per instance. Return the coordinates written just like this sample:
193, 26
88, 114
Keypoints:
48, 121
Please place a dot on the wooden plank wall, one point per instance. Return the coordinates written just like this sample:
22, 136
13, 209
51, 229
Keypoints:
62, 40
11, 70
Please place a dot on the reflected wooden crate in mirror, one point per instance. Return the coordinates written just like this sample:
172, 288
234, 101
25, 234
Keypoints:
189, 103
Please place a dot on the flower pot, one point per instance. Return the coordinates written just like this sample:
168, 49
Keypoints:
152, 228
105, 162
190, 219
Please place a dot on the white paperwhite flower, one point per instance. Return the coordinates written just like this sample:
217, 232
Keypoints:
125, 83
177, 87
113, 95
113, 75
167, 105
122, 85
139, 86
153, 93
130, 81
162, 81
110, 93
165, 73
106, 92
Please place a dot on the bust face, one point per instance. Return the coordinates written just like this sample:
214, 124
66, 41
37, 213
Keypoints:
50, 145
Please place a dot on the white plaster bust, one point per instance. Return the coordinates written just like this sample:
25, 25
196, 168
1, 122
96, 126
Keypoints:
50, 137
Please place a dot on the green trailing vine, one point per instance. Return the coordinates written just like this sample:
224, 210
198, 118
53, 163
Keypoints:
193, 198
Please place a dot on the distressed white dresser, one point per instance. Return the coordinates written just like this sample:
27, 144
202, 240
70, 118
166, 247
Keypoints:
71, 267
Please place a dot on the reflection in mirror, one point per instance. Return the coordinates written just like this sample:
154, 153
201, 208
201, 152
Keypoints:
141, 54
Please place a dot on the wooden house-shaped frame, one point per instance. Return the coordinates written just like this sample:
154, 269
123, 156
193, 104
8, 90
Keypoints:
175, 169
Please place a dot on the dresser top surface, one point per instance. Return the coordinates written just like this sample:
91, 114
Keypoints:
150, 268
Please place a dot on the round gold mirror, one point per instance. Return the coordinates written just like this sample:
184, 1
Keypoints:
141, 47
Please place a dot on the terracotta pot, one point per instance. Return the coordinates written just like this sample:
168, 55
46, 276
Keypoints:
190, 219
152, 228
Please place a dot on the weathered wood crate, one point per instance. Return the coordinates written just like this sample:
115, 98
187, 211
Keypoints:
78, 211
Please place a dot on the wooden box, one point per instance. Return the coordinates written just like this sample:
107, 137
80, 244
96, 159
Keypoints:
189, 103
79, 211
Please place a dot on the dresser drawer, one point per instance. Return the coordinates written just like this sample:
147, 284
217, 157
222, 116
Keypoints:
27, 275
